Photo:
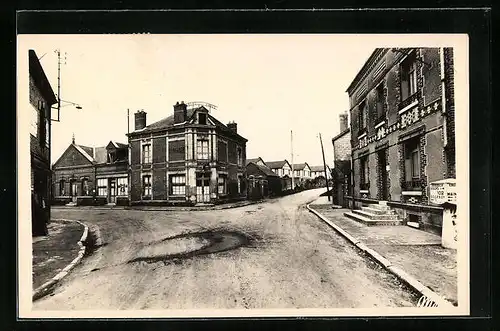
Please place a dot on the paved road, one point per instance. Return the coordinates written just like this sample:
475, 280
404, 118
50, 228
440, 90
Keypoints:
288, 259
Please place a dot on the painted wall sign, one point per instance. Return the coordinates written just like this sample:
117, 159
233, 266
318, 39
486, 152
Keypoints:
443, 191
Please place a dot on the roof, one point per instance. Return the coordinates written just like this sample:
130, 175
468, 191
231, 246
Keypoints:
84, 152
263, 169
255, 160
300, 166
168, 122
40, 79
97, 154
341, 134
318, 168
100, 155
276, 164
365, 66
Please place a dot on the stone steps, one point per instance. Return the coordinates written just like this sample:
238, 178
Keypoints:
377, 216
376, 211
372, 222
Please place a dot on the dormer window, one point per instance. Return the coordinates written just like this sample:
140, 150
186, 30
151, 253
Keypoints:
202, 118
111, 157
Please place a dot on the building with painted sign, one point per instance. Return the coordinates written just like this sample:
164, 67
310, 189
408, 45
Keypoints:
187, 158
403, 130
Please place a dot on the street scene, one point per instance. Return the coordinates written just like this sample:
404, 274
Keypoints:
331, 185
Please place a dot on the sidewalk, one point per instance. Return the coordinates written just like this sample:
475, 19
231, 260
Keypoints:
165, 208
53, 253
416, 252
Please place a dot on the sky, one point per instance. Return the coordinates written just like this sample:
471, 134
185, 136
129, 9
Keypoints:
269, 85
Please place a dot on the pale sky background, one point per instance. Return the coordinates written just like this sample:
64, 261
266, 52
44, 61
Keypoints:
269, 84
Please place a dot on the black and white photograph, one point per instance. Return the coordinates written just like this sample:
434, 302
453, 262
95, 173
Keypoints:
222, 175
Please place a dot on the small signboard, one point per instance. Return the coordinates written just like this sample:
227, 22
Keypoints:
443, 191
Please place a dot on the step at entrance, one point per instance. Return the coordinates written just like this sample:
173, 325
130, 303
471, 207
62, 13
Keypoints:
375, 214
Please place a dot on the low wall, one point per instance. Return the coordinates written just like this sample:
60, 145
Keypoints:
429, 218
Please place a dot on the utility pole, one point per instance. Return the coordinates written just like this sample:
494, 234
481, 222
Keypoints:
324, 165
128, 121
291, 148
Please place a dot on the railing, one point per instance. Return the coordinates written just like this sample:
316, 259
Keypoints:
409, 100
412, 185
364, 186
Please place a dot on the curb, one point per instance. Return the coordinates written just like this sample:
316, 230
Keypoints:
43, 289
398, 272
177, 209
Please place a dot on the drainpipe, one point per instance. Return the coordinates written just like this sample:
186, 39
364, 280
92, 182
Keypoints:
443, 97
352, 179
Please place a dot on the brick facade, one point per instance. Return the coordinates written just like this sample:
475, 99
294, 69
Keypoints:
193, 160
417, 120
41, 99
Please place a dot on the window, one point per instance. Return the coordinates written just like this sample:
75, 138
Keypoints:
102, 187
380, 102
202, 150
240, 156
146, 185
146, 152
123, 186
35, 117
408, 77
85, 186
112, 157
61, 187
364, 180
221, 184
178, 184
362, 116
202, 118
412, 164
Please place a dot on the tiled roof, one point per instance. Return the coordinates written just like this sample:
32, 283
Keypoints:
299, 166
252, 160
100, 155
85, 151
276, 164
265, 170
318, 168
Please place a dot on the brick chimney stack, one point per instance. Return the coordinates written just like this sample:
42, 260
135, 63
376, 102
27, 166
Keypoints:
233, 126
343, 122
140, 119
180, 112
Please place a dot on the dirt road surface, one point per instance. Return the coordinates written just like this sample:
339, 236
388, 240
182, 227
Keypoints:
272, 255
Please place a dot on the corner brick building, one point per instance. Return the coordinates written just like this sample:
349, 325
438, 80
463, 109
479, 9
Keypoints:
403, 131
41, 99
186, 158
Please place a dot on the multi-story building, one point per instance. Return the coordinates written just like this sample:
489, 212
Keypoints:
319, 171
41, 99
86, 175
342, 162
402, 129
186, 158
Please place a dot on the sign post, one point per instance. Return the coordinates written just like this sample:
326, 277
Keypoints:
443, 192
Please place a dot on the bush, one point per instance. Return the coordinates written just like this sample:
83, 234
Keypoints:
60, 201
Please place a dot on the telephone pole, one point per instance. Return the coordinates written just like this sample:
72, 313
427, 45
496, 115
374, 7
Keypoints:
291, 148
324, 165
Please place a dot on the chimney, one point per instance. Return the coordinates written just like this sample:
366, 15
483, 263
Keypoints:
233, 126
180, 112
343, 122
140, 120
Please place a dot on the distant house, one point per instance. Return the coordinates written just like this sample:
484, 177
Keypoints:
258, 161
283, 169
86, 175
262, 181
319, 171
302, 171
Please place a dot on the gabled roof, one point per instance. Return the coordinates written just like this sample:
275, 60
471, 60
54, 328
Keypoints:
168, 122
300, 166
255, 160
265, 170
117, 144
277, 164
100, 155
318, 168
85, 151
340, 135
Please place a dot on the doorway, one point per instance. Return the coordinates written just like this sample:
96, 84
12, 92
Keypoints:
112, 190
382, 170
74, 191
203, 187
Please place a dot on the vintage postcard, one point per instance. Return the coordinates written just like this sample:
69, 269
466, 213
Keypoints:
222, 175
